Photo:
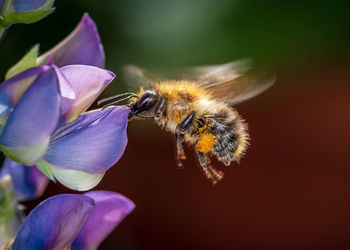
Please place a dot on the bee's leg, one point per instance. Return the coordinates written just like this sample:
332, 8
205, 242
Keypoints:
217, 174
205, 164
203, 147
182, 128
180, 150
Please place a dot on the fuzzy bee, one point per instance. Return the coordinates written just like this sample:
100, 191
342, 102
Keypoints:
197, 108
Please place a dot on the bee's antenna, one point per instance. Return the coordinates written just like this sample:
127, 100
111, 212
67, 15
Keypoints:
118, 101
107, 99
146, 116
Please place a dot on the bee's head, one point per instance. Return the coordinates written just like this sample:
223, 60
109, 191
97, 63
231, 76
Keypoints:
144, 106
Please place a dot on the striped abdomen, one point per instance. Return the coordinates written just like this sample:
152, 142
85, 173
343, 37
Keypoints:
231, 136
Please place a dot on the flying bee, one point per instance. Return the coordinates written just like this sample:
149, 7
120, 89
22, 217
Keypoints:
197, 108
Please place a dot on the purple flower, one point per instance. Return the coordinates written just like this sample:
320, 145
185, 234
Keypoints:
82, 46
79, 221
110, 209
41, 112
43, 124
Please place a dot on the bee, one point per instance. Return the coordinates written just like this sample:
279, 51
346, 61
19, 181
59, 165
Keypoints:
197, 108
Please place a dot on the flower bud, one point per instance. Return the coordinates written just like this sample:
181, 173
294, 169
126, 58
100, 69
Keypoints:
23, 11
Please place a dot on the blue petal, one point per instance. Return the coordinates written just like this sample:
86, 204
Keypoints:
26, 5
28, 129
110, 209
13, 89
54, 223
93, 143
28, 182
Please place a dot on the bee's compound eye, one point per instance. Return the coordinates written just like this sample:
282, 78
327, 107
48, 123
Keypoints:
147, 101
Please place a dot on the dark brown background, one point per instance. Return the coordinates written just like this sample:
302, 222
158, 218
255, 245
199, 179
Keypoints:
291, 191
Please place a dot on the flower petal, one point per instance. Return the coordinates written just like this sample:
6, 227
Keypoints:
54, 223
88, 82
67, 92
75, 179
28, 182
82, 46
25, 5
110, 209
93, 143
28, 129
12, 90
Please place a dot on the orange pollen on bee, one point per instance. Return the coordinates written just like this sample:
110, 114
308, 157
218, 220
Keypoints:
205, 144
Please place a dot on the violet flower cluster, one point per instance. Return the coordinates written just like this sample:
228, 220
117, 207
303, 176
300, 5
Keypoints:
47, 133
65, 221
43, 122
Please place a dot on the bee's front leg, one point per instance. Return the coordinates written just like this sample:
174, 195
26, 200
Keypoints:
182, 128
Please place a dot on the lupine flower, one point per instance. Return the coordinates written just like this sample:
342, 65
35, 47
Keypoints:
82, 46
23, 11
39, 109
73, 221
40, 127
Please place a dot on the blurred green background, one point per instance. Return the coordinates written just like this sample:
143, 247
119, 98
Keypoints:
157, 33
291, 191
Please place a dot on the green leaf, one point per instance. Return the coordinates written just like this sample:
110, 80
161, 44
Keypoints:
28, 61
44, 167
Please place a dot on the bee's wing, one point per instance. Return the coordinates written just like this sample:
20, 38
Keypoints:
232, 82
211, 75
136, 77
241, 88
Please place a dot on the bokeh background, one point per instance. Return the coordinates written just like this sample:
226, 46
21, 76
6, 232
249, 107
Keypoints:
292, 189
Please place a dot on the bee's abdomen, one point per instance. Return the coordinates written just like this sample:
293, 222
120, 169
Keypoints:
231, 136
